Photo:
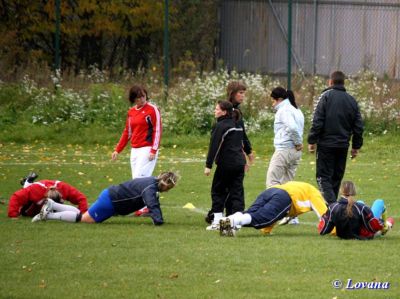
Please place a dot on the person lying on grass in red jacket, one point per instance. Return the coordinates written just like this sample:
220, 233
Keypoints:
29, 200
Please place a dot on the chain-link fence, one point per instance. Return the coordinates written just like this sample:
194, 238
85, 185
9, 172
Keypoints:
326, 35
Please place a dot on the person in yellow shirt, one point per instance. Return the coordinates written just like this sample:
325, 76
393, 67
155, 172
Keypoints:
290, 199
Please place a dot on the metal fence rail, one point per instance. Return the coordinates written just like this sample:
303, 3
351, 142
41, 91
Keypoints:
326, 35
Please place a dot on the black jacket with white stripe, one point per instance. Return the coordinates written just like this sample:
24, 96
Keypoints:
226, 144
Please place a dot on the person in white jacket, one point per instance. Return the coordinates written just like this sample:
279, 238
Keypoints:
288, 139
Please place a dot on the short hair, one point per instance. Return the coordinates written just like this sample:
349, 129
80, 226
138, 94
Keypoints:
338, 78
137, 91
233, 87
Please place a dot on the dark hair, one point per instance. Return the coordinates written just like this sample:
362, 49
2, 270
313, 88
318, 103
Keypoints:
135, 92
281, 93
233, 87
338, 77
230, 111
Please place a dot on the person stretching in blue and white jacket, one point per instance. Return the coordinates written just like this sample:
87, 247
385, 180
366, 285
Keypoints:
122, 199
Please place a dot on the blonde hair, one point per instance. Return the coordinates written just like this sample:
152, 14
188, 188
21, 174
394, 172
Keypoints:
54, 194
168, 179
348, 190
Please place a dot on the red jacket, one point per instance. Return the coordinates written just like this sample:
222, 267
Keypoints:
143, 128
27, 201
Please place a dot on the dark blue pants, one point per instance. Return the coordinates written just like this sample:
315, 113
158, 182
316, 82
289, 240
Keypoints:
270, 206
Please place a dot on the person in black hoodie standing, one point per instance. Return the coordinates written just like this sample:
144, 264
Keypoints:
226, 150
337, 119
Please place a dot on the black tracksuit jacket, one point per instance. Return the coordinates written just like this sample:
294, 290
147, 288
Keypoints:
226, 144
336, 119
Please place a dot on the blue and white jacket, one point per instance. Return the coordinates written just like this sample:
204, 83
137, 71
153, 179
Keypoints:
135, 194
288, 126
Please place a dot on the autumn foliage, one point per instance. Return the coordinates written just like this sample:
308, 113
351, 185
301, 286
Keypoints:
113, 35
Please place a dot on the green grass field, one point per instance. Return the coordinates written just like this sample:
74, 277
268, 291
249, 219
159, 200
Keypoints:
127, 257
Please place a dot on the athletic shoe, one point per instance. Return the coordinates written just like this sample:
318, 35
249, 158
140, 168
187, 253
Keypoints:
388, 225
30, 178
209, 217
226, 228
294, 221
46, 209
284, 221
36, 218
143, 212
214, 226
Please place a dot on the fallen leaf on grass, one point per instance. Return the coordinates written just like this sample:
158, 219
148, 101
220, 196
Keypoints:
42, 284
173, 275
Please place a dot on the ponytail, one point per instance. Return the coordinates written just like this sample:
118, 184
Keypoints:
230, 111
348, 190
281, 93
291, 97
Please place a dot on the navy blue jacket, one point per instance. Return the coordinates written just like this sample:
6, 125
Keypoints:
133, 195
336, 120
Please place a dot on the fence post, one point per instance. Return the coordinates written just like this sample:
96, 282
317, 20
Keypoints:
57, 36
289, 52
166, 50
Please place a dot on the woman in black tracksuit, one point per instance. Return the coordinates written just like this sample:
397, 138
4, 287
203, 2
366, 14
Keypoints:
226, 150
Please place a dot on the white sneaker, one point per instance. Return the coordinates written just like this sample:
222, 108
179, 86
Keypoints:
214, 226
36, 218
284, 221
46, 209
294, 221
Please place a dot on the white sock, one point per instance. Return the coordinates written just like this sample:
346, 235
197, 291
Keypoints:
27, 184
59, 207
240, 219
67, 216
217, 218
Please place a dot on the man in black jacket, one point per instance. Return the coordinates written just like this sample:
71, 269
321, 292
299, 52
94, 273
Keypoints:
336, 120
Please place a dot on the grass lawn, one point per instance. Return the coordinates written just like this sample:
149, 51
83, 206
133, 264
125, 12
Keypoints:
127, 257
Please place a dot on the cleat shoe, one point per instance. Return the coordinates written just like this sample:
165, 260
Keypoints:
143, 212
284, 221
294, 221
46, 209
388, 225
36, 218
30, 178
226, 228
214, 226
209, 217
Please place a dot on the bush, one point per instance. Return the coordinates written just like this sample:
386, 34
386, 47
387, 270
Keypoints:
190, 105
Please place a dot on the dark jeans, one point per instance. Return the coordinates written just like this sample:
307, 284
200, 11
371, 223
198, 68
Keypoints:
227, 190
331, 165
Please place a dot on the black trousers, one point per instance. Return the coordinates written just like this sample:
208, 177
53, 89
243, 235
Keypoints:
331, 165
227, 190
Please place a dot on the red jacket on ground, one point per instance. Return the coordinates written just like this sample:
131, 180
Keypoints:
143, 128
28, 201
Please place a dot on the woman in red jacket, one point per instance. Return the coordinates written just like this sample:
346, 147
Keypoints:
28, 201
143, 130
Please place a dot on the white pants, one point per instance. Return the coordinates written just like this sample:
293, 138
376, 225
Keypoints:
282, 167
141, 166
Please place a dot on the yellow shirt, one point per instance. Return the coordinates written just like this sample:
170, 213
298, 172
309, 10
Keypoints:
305, 197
